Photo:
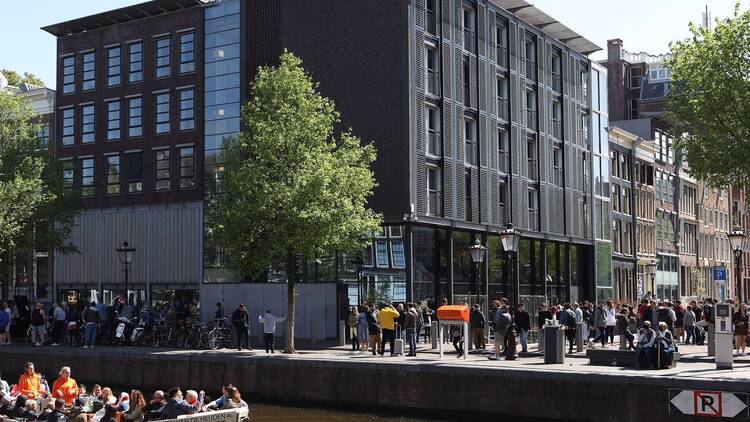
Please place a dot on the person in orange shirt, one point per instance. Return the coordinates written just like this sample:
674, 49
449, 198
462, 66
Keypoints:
65, 387
30, 383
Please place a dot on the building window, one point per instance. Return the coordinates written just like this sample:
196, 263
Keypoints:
162, 170
614, 158
434, 141
530, 56
89, 71
470, 142
43, 136
187, 109
432, 64
466, 82
69, 74
113, 120
468, 207
162, 113
636, 76
501, 40
68, 175
397, 254
502, 202
584, 127
615, 198
87, 177
431, 16
557, 119
113, 175
434, 191
187, 52
381, 253
530, 109
135, 117
531, 158
113, 66
617, 236
502, 150
625, 164
557, 165
134, 172
87, 124
502, 98
633, 108
556, 70
135, 62
470, 31
533, 208
187, 168
626, 201
163, 56
68, 126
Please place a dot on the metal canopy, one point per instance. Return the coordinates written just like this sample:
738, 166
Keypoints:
549, 25
113, 17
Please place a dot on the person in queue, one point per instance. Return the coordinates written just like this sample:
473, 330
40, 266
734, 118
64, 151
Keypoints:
65, 387
137, 406
176, 406
30, 383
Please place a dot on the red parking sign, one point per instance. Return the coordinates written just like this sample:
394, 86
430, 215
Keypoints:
707, 403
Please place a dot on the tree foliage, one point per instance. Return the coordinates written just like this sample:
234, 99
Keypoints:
292, 186
15, 79
710, 98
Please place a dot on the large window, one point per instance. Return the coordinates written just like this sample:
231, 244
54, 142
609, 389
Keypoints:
134, 171
135, 117
162, 113
531, 109
187, 109
557, 165
432, 65
135, 62
113, 120
466, 82
626, 201
89, 71
434, 191
68, 126
68, 175
470, 141
113, 174
434, 141
470, 29
627, 241
617, 236
381, 253
502, 98
531, 158
187, 52
187, 168
502, 150
43, 136
113, 66
87, 177
87, 124
533, 208
529, 56
162, 170
556, 70
431, 17
615, 198
397, 254
468, 203
501, 40
69, 74
163, 57
556, 120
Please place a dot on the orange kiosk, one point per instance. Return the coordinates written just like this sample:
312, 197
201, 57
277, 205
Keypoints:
453, 315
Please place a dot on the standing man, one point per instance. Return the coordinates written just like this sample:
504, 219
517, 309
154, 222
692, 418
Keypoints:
600, 324
4, 324
241, 323
568, 320
387, 318
91, 318
542, 316
501, 320
477, 321
523, 324
269, 328
410, 325
58, 325
39, 325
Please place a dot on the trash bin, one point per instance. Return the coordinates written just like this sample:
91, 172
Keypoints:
554, 344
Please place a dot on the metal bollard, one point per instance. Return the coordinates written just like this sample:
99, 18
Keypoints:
434, 334
711, 339
579, 337
342, 333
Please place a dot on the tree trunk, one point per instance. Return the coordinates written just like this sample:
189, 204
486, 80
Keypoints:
291, 274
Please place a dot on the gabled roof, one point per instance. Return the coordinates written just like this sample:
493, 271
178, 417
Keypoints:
122, 15
549, 25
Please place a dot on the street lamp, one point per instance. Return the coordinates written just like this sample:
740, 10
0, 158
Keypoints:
510, 239
737, 241
477, 252
125, 253
651, 271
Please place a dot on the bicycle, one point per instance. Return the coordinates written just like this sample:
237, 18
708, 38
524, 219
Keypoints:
198, 336
220, 336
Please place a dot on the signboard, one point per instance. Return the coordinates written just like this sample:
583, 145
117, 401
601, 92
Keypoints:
720, 273
230, 415
717, 404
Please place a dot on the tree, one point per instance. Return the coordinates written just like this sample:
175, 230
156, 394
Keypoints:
14, 79
291, 187
710, 99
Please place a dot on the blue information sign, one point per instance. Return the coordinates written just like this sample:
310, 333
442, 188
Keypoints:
720, 273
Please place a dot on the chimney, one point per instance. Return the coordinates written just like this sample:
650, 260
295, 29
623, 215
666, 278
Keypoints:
614, 50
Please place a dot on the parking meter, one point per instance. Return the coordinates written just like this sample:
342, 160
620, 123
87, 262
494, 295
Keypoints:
723, 336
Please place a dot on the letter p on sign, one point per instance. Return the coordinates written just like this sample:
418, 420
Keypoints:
707, 403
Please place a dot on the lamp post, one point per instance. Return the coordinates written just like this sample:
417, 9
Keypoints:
125, 253
651, 271
477, 252
737, 241
510, 239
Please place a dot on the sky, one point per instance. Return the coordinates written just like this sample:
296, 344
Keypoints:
643, 25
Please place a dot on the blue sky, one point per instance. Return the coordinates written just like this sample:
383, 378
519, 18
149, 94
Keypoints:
643, 25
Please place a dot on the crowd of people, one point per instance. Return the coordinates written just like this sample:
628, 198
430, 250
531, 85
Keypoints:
32, 399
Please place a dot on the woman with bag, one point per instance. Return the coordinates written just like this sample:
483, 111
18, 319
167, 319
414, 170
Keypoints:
352, 322
740, 321
362, 331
